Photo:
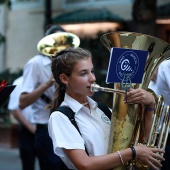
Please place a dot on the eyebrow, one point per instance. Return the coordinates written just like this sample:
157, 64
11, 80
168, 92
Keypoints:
82, 70
86, 69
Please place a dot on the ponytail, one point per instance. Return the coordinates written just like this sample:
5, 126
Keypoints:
58, 99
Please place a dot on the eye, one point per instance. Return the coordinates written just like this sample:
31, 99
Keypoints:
92, 71
83, 73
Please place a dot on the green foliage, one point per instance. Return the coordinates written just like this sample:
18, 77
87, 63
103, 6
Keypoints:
9, 77
2, 39
2, 1
8, 2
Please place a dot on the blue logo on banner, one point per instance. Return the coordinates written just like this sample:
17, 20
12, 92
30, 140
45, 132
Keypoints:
126, 64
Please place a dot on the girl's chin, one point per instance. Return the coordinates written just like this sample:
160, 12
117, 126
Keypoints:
91, 94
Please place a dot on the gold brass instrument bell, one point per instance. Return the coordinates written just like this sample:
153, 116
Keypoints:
53, 43
127, 126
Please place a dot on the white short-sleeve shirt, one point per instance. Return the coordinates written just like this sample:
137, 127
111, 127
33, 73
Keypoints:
14, 100
163, 82
93, 125
37, 71
152, 86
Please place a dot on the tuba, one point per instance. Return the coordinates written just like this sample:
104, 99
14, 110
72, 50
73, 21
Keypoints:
53, 43
127, 128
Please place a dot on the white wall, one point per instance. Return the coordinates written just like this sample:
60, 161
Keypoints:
25, 28
24, 31
3, 26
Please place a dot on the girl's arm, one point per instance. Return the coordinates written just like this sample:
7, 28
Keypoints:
145, 154
141, 96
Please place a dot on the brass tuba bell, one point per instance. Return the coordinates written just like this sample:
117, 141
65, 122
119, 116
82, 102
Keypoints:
127, 123
53, 43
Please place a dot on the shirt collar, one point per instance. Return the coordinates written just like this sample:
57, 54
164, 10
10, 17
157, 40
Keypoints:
46, 60
75, 105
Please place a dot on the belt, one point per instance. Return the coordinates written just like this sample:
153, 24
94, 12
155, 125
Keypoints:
42, 125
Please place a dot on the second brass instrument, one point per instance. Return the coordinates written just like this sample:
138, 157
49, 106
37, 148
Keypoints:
53, 43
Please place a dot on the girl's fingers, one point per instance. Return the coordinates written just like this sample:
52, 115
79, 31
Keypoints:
156, 162
152, 157
158, 150
158, 157
153, 166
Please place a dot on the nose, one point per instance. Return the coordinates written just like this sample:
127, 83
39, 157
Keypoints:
92, 78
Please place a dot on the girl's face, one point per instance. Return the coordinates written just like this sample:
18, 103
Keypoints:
80, 80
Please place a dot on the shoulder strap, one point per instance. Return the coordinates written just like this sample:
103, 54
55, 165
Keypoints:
105, 109
70, 114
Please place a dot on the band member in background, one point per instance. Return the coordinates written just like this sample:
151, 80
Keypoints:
37, 90
163, 88
26, 131
73, 70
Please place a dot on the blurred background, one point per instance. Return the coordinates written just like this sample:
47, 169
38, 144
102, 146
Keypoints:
23, 22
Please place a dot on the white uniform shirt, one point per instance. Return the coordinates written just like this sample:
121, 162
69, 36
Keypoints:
14, 100
163, 82
37, 71
93, 125
152, 86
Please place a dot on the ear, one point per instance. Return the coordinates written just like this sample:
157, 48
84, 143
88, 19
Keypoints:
63, 78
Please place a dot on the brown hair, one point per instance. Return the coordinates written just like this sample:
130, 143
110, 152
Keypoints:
63, 62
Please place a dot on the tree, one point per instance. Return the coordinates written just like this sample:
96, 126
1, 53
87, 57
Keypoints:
2, 39
144, 14
48, 20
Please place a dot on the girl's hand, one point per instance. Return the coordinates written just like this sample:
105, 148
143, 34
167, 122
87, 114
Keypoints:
149, 156
140, 96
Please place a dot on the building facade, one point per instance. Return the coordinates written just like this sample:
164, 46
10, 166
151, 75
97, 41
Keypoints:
23, 25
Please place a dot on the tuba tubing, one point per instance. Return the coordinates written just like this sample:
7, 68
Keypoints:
164, 129
156, 121
154, 132
127, 121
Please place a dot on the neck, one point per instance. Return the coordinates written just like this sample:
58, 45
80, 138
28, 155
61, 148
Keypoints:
80, 98
84, 104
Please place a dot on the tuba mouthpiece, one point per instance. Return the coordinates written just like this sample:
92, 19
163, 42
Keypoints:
94, 87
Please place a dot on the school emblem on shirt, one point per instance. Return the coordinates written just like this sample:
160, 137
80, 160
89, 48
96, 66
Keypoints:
105, 119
